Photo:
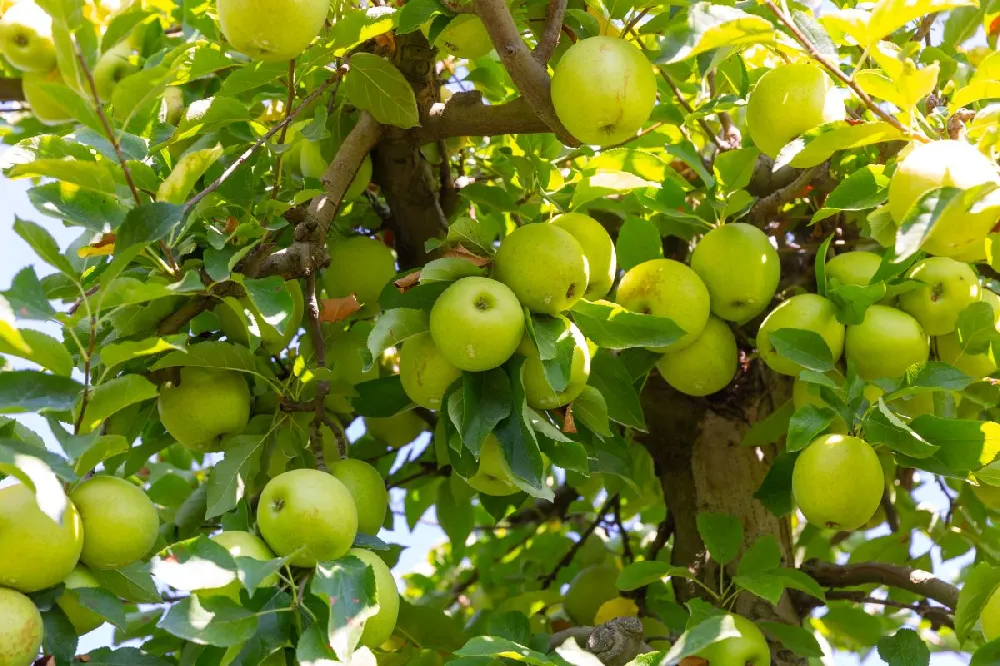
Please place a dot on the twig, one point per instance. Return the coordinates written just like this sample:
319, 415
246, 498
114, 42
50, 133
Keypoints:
919, 582
687, 107
191, 309
79, 302
891, 517
766, 208
289, 100
937, 615
627, 554
85, 399
11, 90
568, 557
634, 21
426, 469
322, 387
663, 534
923, 31
547, 43
474, 577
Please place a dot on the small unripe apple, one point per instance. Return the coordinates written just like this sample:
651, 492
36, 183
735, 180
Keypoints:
544, 265
361, 266
379, 627
206, 407
172, 105
705, 366
241, 544
120, 523
397, 430
477, 324
810, 312
589, 590
748, 649
788, 101
465, 37
537, 390
805, 393
82, 618
367, 487
949, 287
21, 629
46, 108
493, 476
272, 341
598, 248
424, 371
26, 38
112, 67
667, 288
990, 617
603, 90
35, 551
742, 250
846, 464
253, 26
886, 343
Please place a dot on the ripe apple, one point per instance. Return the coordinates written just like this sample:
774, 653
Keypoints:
805, 393
251, 28
207, 406
26, 37
788, 101
465, 37
949, 287
379, 627
747, 649
397, 430
705, 366
667, 288
119, 521
809, 312
846, 463
598, 248
544, 266
944, 164
424, 371
886, 343
477, 324
493, 476
112, 67
603, 90
240, 544
537, 390
591, 588
20, 629
46, 108
742, 250
308, 515
367, 487
82, 618
172, 105
272, 341
361, 266
990, 617
35, 551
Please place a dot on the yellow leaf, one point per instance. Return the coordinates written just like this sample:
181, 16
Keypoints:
890, 15
975, 92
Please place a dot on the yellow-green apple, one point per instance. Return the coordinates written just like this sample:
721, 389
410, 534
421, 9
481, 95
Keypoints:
343, 358
949, 287
537, 390
361, 180
598, 248
26, 38
846, 463
424, 371
379, 627
116, 63
544, 266
120, 523
45, 106
667, 288
20, 629
493, 476
465, 37
272, 341
593, 551
857, 268
654, 634
313, 164
603, 90
477, 324
251, 28
588, 591
805, 393
307, 515
705, 366
748, 649
361, 266
886, 343
240, 544
809, 312
740, 268
36, 552
937, 164
172, 105
950, 350
82, 618
788, 101
367, 487
990, 617
397, 430
206, 406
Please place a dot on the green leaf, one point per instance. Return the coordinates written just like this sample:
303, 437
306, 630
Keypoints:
556, 345
709, 632
865, 188
58, 637
117, 353
987, 655
210, 621
27, 298
416, 13
456, 517
965, 445
797, 639
275, 304
820, 143
765, 585
484, 400
771, 428
853, 300
360, 25
606, 183
591, 409
38, 348
638, 241
806, 424
613, 327
186, 173
975, 328
775, 491
99, 176
196, 564
93, 452
518, 442
376, 86
980, 584
929, 208
806, 348
641, 574
890, 15
763, 556
113, 396
904, 648
138, 91
934, 375
148, 223
132, 583
221, 355
124, 656
101, 602
710, 27
611, 378
491, 646
448, 269
381, 397
31, 391
348, 585
210, 115
722, 534
44, 245
883, 427
121, 26
228, 481
393, 328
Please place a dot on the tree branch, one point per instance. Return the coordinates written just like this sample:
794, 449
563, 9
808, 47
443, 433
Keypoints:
766, 208
11, 90
568, 557
465, 114
919, 582
547, 43
322, 387
936, 615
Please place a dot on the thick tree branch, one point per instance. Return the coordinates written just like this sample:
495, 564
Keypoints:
919, 582
11, 90
322, 387
936, 615
465, 114
550, 34
529, 75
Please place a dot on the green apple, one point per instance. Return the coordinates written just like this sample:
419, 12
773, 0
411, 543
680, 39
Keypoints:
343, 358
172, 105
361, 266
886, 343
740, 268
705, 366
593, 551
990, 617
950, 350
603, 90
928, 166
119, 521
847, 464
251, 26
361, 180
857, 268
806, 393
477, 324
424, 371
272, 341
949, 287
26, 38
35, 551
988, 495
367, 487
493, 476
465, 37
112, 67
45, 106
544, 266
809, 312
379, 628
654, 629
241, 544
598, 248
308, 515
82, 618
206, 407
397, 430
588, 591
788, 101
537, 390
667, 288
748, 649
21, 629
311, 161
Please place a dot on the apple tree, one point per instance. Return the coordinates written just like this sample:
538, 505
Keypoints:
679, 320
